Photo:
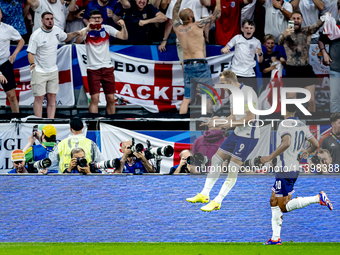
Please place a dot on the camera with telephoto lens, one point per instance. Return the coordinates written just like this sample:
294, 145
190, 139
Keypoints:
253, 162
34, 167
95, 167
135, 147
81, 162
166, 151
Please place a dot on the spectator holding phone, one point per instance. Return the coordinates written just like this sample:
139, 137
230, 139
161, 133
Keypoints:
99, 66
47, 140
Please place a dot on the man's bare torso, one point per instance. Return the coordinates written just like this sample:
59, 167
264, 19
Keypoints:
191, 38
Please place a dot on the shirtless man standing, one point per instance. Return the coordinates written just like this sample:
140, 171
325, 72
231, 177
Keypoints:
190, 36
296, 42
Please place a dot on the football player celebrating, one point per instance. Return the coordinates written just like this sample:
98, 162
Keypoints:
235, 148
290, 136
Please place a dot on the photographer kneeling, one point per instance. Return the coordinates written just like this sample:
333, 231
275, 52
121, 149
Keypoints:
78, 163
183, 166
135, 162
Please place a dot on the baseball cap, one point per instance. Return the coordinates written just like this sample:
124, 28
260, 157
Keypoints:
48, 130
76, 124
18, 155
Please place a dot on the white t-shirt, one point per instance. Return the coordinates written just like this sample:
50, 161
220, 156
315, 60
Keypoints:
60, 13
298, 132
247, 11
97, 47
44, 45
199, 10
8, 34
310, 14
331, 7
276, 22
244, 55
246, 130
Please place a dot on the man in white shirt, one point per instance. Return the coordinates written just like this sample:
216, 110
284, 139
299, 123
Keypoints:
7, 79
246, 48
99, 66
57, 7
42, 56
278, 12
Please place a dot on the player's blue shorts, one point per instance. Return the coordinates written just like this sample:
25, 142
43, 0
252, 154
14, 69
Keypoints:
284, 186
238, 147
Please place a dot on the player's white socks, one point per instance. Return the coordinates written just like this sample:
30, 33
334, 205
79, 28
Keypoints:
276, 222
229, 182
300, 202
214, 173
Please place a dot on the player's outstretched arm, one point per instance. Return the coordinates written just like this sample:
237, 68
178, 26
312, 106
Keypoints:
212, 18
284, 145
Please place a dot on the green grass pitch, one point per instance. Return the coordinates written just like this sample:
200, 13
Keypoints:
168, 248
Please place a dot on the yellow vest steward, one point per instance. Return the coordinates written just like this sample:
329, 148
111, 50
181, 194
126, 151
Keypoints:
65, 147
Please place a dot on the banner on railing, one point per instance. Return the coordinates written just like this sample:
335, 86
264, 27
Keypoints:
65, 96
157, 86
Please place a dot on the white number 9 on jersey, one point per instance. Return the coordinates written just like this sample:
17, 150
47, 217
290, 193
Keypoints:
241, 147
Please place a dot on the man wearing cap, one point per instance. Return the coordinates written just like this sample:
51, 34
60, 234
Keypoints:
18, 160
61, 156
47, 140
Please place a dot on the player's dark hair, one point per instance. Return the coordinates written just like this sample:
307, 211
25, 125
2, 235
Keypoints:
95, 12
335, 116
291, 108
46, 13
297, 12
338, 5
250, 22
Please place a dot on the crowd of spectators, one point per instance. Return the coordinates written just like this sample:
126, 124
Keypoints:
151, 21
